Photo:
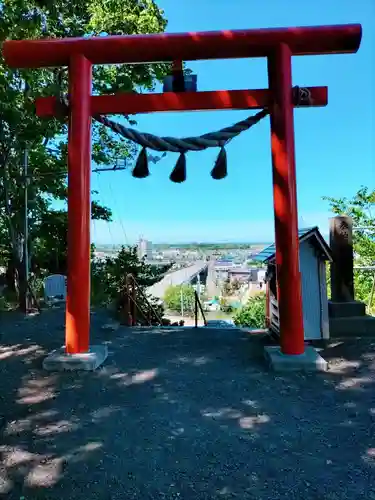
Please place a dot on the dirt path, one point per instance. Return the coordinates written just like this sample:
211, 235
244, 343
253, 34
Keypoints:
187, 414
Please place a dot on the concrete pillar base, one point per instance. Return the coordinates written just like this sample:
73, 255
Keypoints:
60, 361
346, 309
309, 361
361, 326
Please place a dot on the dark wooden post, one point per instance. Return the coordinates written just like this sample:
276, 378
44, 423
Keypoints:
341, 242
134, 302
195, 309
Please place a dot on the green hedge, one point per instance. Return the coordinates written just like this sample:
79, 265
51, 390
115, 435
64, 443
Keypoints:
253, 314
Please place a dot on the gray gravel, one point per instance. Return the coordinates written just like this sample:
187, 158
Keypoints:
186, 414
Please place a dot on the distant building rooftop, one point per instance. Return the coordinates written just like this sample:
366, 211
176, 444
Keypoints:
268, 253
240, 270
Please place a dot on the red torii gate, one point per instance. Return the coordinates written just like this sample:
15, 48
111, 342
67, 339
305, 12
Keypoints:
277, 45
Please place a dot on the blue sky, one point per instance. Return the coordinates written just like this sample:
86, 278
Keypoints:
335, 145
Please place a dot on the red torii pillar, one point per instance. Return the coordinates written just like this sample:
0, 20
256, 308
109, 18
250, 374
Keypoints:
277, 45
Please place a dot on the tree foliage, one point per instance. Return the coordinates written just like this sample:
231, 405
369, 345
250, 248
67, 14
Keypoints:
45, 140
231, 287
109, 279
253, 314
361, 208
178, 297
227, 289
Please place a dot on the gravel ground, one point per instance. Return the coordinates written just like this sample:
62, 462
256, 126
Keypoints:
186, 414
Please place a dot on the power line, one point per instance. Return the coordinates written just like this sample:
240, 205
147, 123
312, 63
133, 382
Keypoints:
110, 234
65, 171
115, 168
94, 231
108, 222
118, 212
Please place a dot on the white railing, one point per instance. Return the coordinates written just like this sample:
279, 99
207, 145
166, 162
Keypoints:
274, 314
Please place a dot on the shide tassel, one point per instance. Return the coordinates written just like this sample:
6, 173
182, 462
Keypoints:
141, 170
179, 172
220, 169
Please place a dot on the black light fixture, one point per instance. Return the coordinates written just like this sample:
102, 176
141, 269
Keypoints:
178, 81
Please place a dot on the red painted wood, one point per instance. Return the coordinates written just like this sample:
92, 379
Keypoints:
79, 207
285, 202
337, 39
278, 45
126, 103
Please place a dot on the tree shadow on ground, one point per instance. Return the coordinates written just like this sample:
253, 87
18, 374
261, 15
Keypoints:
181, 414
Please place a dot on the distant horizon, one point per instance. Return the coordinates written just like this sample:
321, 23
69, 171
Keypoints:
185, 243
175, 243
239, 231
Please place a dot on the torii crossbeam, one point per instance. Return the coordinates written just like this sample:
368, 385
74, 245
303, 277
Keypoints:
277, 45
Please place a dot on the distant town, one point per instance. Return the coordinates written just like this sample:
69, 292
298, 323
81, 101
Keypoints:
185, 254
221, 273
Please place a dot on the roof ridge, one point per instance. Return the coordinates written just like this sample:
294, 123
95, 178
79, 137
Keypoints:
269, 251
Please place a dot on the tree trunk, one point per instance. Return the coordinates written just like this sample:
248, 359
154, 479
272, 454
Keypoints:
16, 282
22, 287
10, 276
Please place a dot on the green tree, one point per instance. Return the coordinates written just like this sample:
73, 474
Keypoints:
225, 306
255, 263
227, 287
236, 285
253, 314
49, 239
174, 295
361, 208
45, 140
109, 280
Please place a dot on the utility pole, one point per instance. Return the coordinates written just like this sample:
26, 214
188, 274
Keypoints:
199, 285
182, 303
26, 225
371, 296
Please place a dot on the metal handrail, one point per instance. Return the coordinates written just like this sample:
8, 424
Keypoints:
150, 307
196, 306
137, 305
144, 296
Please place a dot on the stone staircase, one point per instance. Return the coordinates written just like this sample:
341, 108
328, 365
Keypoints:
350, 320
220, 323
357, 326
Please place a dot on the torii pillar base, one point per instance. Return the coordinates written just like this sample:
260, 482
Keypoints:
309, 361
61, 361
